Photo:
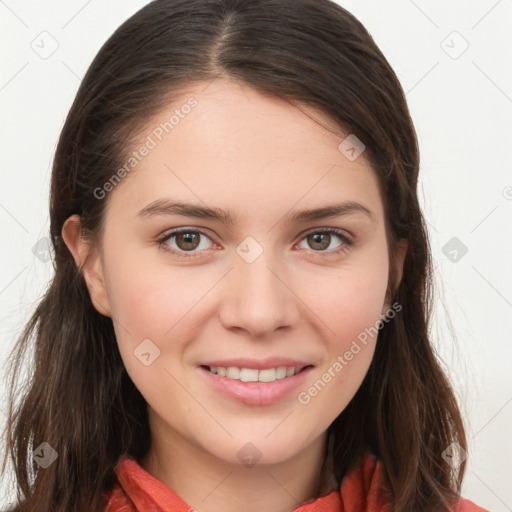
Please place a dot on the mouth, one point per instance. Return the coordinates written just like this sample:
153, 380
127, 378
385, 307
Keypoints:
256, 375
255, 387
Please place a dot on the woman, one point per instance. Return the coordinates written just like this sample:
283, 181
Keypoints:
239, 313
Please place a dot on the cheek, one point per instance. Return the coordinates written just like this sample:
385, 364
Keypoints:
150, 298
160, 303
355, 306
352, 300
350, 314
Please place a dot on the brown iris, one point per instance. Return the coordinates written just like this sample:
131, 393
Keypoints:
190, 240
320, 238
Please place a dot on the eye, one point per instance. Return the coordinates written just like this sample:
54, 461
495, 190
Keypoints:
320, 240
185, 240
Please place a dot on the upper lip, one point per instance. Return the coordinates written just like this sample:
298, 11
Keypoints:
258, 364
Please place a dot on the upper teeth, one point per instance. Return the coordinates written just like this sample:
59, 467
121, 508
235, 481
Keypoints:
253, 375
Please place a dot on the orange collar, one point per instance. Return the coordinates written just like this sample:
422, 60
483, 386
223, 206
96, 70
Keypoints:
361, 491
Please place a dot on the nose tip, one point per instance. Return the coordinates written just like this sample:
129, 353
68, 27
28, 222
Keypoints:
257, 299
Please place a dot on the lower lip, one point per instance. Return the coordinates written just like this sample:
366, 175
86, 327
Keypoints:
255, 393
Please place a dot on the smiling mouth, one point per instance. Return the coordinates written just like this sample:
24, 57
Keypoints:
254, 375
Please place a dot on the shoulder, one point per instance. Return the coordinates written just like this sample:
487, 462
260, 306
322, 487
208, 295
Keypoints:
365, 479
464, 505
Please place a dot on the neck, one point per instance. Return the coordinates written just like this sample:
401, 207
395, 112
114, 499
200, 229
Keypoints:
212, 485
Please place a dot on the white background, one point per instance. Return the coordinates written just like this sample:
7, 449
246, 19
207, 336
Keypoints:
462, 109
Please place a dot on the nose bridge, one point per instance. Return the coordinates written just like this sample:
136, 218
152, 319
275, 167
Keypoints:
258, 299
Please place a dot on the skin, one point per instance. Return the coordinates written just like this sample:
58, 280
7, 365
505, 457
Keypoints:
260, 158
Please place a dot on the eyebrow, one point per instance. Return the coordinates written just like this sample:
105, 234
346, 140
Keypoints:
170, 207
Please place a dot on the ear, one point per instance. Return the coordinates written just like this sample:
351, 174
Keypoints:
398, 262
401, 252
87, 258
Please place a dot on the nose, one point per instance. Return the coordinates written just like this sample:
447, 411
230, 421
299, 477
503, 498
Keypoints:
259, 298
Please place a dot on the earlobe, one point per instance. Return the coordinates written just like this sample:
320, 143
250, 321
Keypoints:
87, 258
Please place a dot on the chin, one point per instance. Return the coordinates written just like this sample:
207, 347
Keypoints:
260, 449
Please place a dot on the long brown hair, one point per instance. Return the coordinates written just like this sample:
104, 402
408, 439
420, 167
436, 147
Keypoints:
79, 398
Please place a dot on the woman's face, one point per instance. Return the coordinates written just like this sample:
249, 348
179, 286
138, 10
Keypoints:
259, 288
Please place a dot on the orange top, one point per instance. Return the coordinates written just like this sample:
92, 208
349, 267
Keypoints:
138, 491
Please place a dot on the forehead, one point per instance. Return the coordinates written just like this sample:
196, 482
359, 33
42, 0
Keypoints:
227, 145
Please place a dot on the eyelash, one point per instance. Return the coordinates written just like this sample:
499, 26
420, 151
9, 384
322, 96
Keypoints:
346, 245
